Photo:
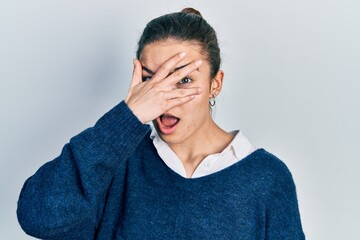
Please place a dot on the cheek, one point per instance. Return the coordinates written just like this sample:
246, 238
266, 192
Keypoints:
196, 110
201, 102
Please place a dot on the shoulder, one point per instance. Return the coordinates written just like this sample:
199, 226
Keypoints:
270, 169
267, 161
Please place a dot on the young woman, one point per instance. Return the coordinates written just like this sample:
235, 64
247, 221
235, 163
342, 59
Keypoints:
186, 178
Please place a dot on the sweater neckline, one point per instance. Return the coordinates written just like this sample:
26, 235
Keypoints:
237, 149
210, 177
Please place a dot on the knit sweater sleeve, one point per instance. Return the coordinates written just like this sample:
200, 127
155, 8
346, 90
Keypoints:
283, 216
65, 198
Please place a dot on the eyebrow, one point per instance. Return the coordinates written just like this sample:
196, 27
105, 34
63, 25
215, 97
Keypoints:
175, 69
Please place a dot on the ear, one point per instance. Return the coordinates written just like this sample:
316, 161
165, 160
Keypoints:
216, 84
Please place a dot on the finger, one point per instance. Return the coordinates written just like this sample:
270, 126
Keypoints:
171, 103
137, 73
180, 93
181, 73
168, 66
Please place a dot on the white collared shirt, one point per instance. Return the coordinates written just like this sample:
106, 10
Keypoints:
239, 148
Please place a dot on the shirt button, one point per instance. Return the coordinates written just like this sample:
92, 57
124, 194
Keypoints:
207, 164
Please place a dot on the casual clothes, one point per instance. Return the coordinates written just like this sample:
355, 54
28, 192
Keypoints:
110, 183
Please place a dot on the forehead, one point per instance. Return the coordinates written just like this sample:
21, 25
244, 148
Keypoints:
155, 54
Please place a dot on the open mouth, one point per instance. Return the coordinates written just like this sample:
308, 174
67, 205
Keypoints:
167, 123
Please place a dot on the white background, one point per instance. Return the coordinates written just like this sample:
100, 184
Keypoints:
291, 84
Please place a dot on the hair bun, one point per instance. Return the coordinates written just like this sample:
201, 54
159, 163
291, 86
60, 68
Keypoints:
193, 11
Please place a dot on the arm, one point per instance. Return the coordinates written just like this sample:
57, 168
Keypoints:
65, 197
283, 217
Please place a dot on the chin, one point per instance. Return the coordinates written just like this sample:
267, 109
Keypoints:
171, 139
174, 138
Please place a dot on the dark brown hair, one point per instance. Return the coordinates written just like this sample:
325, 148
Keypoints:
187, 25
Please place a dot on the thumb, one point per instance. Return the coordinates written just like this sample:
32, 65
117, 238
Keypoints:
137, 73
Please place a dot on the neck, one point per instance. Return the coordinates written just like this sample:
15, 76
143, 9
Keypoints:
207, 140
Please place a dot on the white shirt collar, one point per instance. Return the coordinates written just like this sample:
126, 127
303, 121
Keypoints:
240, 145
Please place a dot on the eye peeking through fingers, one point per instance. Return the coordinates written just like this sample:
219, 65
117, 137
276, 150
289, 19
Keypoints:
146, 78
184, 81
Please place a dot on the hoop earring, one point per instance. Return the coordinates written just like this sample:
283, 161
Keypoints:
212, 101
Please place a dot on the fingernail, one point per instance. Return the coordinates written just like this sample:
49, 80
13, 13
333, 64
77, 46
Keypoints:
182, 54
198, 63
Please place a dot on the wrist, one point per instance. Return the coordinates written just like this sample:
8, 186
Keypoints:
134, 112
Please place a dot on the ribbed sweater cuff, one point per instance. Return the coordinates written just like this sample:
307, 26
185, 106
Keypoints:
120, 129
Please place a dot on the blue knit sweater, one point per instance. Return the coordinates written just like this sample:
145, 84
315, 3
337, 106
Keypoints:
110, 183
